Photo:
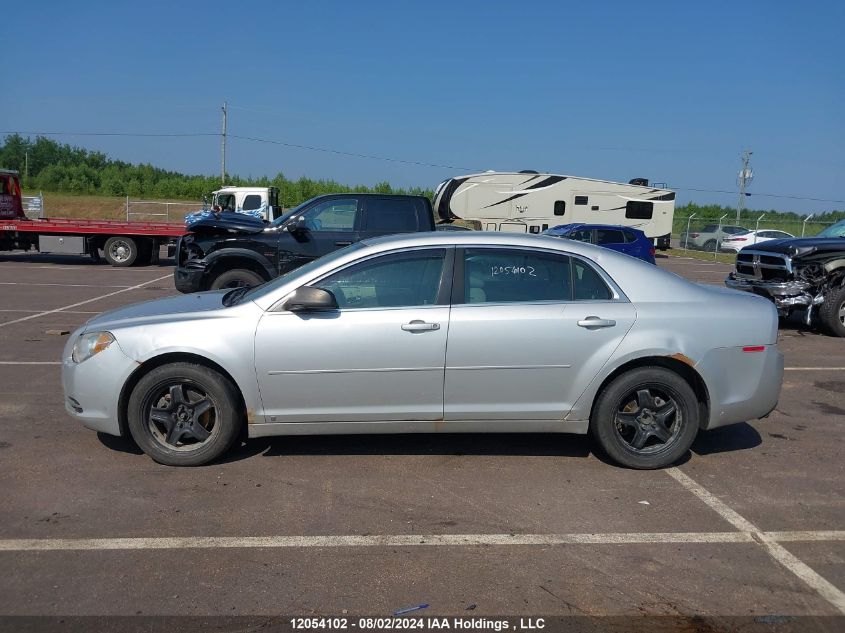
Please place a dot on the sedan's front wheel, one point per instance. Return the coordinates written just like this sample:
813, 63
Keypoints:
183, 414
646, 418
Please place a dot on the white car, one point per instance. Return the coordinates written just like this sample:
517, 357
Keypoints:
735, 243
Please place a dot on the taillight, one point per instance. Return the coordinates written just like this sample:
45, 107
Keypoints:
735, 239
652, 251
754, 348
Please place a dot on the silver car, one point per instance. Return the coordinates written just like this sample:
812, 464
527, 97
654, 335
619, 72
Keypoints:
433, 333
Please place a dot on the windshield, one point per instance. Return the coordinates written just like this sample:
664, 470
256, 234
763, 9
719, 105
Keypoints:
258, 291
836, 230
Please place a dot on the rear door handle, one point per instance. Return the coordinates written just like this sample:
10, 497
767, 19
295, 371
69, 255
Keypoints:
420, 326
342, 243
595, 322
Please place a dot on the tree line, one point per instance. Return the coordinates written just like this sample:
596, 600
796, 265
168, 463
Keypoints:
62, 168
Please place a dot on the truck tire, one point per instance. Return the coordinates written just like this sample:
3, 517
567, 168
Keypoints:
832, 312
236, 278
120, 251
145, 252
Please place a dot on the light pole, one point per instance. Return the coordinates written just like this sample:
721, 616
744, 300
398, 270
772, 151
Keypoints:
223, 147
745, 177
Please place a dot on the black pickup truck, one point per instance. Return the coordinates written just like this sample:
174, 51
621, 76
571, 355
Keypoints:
798, 274
231, 250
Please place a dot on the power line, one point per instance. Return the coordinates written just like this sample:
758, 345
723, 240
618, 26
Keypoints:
761, 195
137, 134
342, 153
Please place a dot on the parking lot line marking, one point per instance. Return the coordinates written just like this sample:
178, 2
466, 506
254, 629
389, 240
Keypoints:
404, 540
65, 311
818, 535
813, 368
30, 362
80, 303
20, 283
814, 580
375, 540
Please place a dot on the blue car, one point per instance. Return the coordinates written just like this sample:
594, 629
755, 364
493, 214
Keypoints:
624, 239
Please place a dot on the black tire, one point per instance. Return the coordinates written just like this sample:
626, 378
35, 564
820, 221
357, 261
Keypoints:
145, 253
164, 421
236, 278
120, 251
622, 417
832, 312
709, 246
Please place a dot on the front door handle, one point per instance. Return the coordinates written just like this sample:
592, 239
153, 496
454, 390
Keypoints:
342, 243
594, 322
420, 326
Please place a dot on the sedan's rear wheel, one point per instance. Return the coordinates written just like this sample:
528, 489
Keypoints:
646, 418
184, 414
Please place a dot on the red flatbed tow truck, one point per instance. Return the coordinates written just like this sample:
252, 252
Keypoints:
122, 243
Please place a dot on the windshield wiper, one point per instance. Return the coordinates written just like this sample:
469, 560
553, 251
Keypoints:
233, 296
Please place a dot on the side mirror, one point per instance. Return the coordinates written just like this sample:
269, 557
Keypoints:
307, 299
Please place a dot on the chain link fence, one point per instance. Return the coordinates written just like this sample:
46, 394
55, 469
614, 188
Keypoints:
155, 211
726, 235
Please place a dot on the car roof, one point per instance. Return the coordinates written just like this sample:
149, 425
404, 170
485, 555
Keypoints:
478, 238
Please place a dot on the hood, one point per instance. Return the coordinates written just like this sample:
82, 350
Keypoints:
228, 222
800, 245
167, 307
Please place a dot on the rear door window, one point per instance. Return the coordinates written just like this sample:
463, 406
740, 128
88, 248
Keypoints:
609, 236
392, 215
493, 275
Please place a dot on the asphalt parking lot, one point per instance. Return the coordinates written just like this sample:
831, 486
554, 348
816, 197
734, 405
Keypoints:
751, 525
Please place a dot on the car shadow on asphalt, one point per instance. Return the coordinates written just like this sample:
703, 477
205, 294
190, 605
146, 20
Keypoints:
526, 444
119, 444
734, 437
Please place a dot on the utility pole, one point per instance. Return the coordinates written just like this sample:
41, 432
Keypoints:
223, 148
745, 177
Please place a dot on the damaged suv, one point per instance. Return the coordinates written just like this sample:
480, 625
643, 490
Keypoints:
798, 274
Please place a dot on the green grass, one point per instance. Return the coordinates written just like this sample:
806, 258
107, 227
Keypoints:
63, 205
725, 258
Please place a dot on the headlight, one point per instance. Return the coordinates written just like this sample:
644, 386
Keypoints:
90, 344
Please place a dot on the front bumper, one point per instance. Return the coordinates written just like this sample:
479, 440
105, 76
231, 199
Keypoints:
188, 280
92, 388
785, 294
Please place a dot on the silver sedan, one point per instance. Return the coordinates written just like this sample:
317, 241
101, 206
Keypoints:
433, 333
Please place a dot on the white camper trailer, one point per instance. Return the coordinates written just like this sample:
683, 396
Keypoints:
529, 202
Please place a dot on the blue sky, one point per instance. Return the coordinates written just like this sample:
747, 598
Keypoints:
671, 91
